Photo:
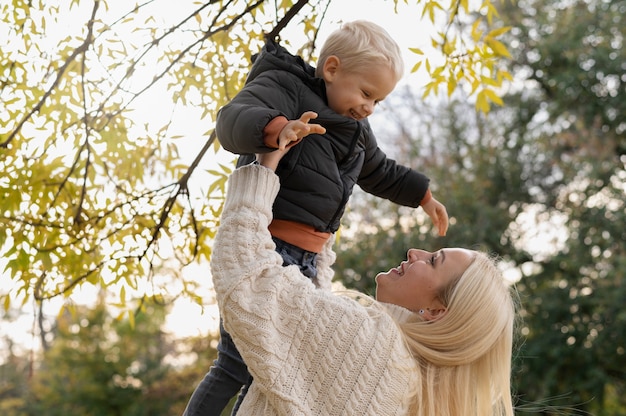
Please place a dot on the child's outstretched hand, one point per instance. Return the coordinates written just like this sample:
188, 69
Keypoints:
438, 214
295, 130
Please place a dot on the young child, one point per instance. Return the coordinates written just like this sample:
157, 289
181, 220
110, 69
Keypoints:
284, 100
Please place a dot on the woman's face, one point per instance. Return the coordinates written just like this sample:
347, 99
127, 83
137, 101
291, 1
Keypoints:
417, 282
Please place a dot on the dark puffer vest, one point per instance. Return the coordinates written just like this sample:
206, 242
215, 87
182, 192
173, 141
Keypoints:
318, 174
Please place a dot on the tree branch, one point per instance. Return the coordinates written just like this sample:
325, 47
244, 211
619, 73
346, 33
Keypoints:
286, 19
181, 188
78, 51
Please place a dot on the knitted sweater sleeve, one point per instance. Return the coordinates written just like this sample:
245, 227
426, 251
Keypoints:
309, 350
325, 261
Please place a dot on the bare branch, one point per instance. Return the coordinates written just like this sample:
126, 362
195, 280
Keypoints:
286, 19
180, 189
78, 51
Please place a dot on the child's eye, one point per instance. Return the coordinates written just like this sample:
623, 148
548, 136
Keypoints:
432, 260
366, 94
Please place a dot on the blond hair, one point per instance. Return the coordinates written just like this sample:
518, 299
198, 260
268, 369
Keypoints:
359, 45
465, 356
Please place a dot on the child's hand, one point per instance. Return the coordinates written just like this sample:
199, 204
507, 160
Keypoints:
438, 214
295, 130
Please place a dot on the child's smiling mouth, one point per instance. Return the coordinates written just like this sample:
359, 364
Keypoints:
355, 115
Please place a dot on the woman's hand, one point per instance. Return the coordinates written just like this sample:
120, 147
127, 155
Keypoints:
270, 160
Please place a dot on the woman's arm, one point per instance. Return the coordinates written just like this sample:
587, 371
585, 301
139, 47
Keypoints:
303, 346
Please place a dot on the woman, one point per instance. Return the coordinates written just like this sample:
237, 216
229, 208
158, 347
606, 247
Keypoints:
437, 340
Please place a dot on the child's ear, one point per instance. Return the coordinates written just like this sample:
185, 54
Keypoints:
331, 67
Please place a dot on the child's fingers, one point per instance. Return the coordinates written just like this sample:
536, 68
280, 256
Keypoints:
312, 128
317, 129
307, 116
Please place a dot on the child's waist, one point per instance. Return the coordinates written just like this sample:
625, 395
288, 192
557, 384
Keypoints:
300, 235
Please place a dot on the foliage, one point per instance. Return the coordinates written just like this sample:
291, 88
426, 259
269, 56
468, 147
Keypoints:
574, 94
14, 370
541, 182
97, 365
93, 189
471, 55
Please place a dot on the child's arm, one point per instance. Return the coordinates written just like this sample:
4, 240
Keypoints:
438, 214
290, 135
387, 179
265, 108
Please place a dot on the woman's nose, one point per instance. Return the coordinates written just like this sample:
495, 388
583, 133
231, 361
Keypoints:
416, 254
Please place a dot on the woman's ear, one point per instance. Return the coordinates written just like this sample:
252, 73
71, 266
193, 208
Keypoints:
432, 314
330, 67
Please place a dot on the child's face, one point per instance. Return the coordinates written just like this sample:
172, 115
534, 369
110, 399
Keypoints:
353, 94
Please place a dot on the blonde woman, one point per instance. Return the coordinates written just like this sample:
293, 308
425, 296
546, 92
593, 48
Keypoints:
436, 341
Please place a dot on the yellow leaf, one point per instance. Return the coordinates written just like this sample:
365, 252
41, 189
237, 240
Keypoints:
438, 71
481, 102
488, 81
427, 90
492, 96
476, 33
497, 32
497, 47
451, 86
504, 74
131, 319
416, 67
417, 51
449, 47
475, 85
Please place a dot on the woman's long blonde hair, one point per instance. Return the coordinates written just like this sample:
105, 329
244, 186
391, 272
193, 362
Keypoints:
465, 356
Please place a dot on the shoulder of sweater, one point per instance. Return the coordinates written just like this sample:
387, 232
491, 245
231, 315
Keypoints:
398, 313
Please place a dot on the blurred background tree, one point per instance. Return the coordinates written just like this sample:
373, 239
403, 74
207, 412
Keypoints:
540, 181
98, 365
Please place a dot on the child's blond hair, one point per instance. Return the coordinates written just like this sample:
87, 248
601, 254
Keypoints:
359, 45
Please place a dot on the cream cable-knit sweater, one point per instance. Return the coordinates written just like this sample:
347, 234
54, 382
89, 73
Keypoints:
311, 352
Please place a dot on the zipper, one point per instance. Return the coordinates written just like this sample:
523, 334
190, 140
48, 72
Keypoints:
344, 198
